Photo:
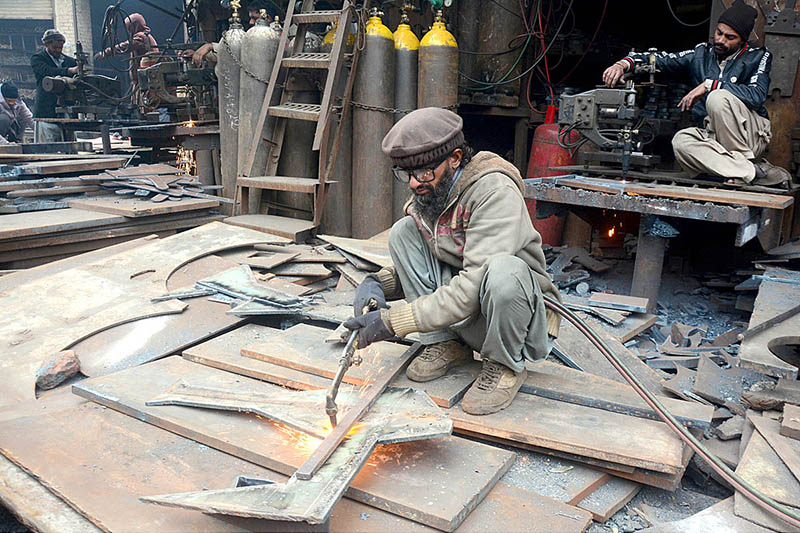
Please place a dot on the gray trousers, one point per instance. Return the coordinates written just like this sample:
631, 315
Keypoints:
511, 325
732, 135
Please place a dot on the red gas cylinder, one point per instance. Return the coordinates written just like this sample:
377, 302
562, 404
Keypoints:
546, 153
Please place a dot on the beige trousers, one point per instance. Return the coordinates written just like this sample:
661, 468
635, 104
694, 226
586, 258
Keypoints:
732, 136
511, 325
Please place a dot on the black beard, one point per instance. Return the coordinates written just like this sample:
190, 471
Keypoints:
431, 205
722, 51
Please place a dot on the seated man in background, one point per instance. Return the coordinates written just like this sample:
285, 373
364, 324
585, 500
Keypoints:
15, 116
732, 82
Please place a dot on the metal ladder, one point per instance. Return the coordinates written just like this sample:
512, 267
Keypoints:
322, 113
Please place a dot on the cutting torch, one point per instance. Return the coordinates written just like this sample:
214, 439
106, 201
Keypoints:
348, 358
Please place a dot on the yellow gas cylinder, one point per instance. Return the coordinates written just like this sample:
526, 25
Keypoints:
406, 57
373, 99
438, 67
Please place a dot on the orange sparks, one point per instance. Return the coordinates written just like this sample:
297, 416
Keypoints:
611, 232
355, 429
303, 442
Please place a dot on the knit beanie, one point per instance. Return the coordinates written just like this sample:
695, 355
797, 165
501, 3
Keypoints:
423, 136
740, 17
9, 90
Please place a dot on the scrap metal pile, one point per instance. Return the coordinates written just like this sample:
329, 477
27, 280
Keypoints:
250, 398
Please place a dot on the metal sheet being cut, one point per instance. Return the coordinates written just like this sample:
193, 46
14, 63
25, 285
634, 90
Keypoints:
399, 415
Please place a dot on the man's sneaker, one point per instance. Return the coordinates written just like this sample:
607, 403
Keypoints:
769, 175
495, 389
435, 360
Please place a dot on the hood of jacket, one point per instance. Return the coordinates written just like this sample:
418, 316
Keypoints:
480, 165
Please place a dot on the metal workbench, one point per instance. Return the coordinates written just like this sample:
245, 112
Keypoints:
758, 215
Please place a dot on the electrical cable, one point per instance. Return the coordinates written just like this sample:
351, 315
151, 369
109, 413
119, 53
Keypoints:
529, 69
546, 68
468, 52
682, 23
751, 493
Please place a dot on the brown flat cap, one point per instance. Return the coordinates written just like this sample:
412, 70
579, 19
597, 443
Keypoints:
423, 136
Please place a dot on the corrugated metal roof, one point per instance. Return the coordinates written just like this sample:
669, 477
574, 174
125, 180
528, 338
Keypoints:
27, 9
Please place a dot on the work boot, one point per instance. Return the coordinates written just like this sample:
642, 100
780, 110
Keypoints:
769, 175
495, 389
436, 359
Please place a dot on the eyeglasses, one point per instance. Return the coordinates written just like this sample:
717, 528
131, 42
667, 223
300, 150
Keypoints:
422, 174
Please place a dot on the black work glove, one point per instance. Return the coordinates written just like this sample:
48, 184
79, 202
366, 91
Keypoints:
371, 328
370, 288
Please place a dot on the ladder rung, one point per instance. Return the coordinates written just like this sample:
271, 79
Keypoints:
279, 183
316, 16
308, 60
296, 110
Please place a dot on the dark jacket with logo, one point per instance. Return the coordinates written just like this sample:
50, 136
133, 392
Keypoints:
43, 65
746, 74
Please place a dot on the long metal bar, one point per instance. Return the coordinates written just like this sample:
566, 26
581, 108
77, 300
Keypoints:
777, 319
353, 414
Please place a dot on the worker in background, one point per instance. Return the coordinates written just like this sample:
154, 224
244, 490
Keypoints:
208, 52
15, 116
466, 259
732, 80
141, 46
51, 61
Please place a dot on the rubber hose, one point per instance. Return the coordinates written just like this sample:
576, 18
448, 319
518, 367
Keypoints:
762, 500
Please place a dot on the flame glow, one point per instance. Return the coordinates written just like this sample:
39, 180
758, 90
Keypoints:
186, 161
611, 232
305, 443
299, 440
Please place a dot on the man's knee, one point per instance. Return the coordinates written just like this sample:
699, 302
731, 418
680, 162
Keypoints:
684, 140
503, 277
401, 231
680, 141
718, 102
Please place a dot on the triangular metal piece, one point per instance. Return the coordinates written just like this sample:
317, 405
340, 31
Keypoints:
399, 415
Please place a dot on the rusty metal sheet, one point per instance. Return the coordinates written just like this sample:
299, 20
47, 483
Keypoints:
100, 465
98, 295
433, 466
398, 415
759, 352
148, 339
224, 352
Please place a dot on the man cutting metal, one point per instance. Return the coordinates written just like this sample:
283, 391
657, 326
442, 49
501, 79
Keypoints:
732, 80
466, 259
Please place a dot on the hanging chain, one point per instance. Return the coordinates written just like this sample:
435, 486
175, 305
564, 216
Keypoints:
239, 63
392, 110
